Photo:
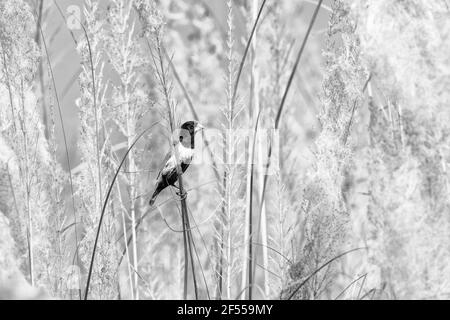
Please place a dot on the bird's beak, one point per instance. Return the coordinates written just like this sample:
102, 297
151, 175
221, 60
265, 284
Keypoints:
199, 127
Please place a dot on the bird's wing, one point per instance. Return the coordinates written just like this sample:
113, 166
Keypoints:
165, 162
185, 155
169, 166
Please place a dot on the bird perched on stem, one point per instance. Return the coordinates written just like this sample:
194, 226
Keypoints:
185, 146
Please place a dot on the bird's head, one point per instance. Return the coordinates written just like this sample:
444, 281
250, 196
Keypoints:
188, 131
192, 127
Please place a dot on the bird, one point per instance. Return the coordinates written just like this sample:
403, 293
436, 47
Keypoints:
168, 175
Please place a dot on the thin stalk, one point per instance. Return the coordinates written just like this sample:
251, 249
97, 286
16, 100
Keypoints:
249, 212
247, 47
264, 235
247, 275
226, 183
362, 285
130, 277
133, 220
400, 122
191, 244
227, 155
65, 22
373, 291
281, 107
63, 129
220, 269
94, 97
198, 258
274, 250
349, 123
349, 285
40, 7
27, 179
141, 219
8, 85
25, 173
30, 236
187, 236
91, 264
297, 61
186, 257
12, 190
39, 20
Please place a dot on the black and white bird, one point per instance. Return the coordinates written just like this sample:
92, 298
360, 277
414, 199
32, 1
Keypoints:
168, 174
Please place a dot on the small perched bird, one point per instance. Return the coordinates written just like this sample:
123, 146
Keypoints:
168, 174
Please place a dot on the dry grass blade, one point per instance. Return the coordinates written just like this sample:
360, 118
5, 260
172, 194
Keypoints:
65, 21
247, 47
371, 291
249, 209
350, 284
286, 91
349, 124
318, 269
297, 61
274, 250
280, 108
94, 100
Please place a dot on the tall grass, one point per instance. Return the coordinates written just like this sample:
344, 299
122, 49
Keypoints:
244, 233
127, 109
33, 174
94, 144
66, 148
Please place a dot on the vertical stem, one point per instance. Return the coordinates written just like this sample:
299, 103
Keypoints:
228, 143
264, 241
247, 274
133, 229
27, 186
8, 85
190, 245
400, 122
186, 263
132, 190
187, 235
66, 148
246, 263
255, 75
40, 7
220, 286
127, 252
283, 99
102, 214
97, 140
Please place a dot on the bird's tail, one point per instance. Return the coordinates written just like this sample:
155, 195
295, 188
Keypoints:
154, 196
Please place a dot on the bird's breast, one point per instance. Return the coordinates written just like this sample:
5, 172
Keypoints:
186, 154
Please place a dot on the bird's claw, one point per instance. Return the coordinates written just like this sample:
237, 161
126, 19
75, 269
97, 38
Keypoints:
181, 195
